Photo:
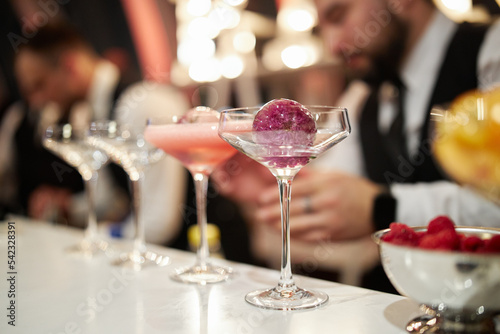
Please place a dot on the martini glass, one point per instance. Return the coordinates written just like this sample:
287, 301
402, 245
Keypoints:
126, 146
69, 144
284, 162
192, 138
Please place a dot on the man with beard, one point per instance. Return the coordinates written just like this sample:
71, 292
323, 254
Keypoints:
409, 57
410, 54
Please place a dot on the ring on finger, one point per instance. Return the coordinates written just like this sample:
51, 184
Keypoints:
307, 204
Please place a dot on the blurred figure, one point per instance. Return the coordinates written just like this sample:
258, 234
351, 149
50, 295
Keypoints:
64, 80
402, 57
410, 57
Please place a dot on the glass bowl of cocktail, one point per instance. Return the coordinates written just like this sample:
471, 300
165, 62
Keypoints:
192, 138
284, 136
466, 140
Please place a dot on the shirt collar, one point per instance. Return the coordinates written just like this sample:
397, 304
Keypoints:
429, 52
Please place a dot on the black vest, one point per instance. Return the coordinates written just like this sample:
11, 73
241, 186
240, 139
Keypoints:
457, 75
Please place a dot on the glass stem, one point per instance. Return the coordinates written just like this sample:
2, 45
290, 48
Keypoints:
201, 187
91, 190
285, 189
139, 240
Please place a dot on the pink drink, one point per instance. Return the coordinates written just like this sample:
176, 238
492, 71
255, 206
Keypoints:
197, 145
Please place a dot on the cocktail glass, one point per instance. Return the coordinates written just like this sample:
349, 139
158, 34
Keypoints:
192, 138
126, 146
69, 143
284, 161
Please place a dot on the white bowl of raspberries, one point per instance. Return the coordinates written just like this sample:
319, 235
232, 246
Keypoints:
454, 271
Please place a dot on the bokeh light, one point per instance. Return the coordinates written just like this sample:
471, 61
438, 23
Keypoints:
205, 70
294, 56
232, 66
235, 3
244, 41
297, 18
199, 7
191, 50
225, 17
461, 6
202, 27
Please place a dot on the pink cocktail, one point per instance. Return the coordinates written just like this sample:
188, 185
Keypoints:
197, 145
193, 139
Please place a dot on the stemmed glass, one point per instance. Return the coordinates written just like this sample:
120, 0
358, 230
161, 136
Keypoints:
126, 146
70, 144
284, 157
192, 138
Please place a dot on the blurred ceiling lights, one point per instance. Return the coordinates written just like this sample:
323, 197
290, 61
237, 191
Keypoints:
461, 6
217, 38
462, 10
294, 45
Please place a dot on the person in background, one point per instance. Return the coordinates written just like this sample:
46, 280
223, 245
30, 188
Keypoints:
401, 57
63, 79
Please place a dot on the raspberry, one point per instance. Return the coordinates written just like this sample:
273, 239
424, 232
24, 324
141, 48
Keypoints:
492, 245
441, 235
471, 243
440, 223
401, 234
421, 234
444, 240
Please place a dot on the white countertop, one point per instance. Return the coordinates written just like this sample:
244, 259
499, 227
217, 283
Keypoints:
57, 293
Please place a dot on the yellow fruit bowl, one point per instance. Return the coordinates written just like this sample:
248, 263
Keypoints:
466, 140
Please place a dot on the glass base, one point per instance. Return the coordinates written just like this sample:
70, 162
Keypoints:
89, 248
138, 261
207, 274
427, 324
287, 299
449, 322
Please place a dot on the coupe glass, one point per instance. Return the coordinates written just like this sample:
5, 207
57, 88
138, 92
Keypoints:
284, 162
193, 139
126, 146
70, 144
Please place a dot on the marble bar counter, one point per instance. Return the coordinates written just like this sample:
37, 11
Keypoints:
49, 291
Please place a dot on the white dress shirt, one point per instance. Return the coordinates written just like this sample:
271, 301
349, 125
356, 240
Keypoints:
419, 203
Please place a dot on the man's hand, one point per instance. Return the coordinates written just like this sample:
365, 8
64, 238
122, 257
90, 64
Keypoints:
242, 179
324, 206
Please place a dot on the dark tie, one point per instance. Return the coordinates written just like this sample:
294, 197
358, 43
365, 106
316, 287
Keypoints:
395, 139
383, 152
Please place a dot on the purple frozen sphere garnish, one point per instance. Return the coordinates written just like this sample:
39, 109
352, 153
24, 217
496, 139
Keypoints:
285, 123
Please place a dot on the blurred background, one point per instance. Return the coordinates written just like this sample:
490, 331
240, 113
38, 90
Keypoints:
219, 52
